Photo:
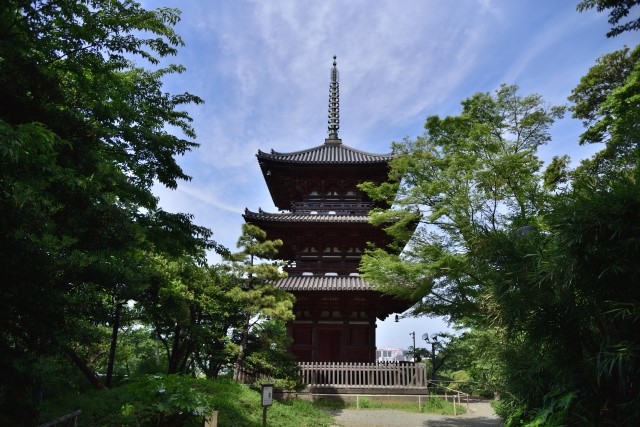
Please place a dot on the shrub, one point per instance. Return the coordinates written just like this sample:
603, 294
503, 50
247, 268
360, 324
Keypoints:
167, 400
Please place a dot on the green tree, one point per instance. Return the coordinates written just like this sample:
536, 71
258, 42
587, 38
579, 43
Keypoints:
567, 302
255, 292
553, 274
267, 353
139, 352
190, 311
477, 352
217, 350
606, 100
476, 184
583, 269
467, 177
566, 291
83, 138
619, 9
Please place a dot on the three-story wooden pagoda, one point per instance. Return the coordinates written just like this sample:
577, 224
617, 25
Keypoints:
323, 222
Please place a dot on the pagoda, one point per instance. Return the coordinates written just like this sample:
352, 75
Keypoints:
323, 223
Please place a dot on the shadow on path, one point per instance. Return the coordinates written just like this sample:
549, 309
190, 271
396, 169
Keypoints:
479, 414
464, 422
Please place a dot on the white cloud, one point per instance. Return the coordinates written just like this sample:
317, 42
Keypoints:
277, 55
263, 69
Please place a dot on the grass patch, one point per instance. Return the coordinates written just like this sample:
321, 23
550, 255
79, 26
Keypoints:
182, 402
430, 405
238, 405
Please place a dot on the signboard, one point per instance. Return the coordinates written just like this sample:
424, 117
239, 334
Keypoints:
267, 394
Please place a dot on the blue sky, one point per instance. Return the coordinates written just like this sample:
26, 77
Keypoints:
262, 68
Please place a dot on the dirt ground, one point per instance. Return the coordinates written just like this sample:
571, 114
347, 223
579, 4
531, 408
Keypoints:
479, 414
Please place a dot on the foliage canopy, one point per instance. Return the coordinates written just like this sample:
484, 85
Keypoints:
542, 264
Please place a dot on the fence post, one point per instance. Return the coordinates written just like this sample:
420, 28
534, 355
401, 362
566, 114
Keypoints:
455, 412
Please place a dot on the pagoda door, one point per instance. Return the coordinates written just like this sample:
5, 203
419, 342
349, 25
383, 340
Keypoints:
330, 345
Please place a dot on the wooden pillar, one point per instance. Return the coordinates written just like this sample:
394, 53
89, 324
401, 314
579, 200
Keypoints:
315, 356
372, 336
345, 336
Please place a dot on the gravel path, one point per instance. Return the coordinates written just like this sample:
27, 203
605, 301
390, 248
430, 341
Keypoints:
479, 414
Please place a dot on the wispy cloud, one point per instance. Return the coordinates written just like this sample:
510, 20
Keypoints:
263, 70
277, 55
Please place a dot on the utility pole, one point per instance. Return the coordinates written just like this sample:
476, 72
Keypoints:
413, 334
433, 343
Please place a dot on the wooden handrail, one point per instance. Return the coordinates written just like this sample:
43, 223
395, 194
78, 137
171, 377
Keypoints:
73, 416
457, 393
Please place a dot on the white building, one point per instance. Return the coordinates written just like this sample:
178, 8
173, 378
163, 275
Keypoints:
391, 354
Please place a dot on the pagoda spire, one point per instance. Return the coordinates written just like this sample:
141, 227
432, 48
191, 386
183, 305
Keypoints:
334, 106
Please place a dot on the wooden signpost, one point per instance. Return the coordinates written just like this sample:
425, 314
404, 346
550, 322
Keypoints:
267, 400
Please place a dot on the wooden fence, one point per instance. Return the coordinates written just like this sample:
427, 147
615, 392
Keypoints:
249, 376
381, 374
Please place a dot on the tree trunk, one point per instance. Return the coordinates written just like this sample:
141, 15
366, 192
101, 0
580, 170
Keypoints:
175, 349
91, 376
186, 359
243, 344
114, 341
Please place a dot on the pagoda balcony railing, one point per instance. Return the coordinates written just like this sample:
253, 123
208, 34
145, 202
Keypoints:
319, 266
321, 273
337, 207
372, 375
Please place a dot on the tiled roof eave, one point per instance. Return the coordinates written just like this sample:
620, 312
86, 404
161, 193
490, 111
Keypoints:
290, 217
332, 162
327, 154
324, 283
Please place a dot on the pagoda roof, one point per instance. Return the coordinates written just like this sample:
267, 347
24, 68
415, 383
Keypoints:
324, 283
332, 152
304, 217
309, 291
